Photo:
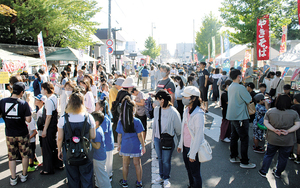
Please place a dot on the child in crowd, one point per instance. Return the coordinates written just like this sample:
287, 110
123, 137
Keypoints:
32, 133
296, 107
106, 125
105, 91
261, 108
99, 154
225, 126
110, 80
262, 88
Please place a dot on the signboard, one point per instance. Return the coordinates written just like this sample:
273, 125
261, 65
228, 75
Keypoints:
14, 65
110, 50
4, 78
109, 42
262, 38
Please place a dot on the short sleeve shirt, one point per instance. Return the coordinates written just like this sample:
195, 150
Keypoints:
108, 133
145, 73
51, 105
281, 120
15, 120
266, 67
31, 128
99, 154
201, 76
166, 84
76, 118
130, 141
140, 110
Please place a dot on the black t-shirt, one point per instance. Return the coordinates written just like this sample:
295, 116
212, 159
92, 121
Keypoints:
224, 100
201, 76
15, 120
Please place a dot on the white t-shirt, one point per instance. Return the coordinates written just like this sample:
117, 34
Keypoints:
44, 78
50, 107
89, 102
178, 92
164, 122
75, 118
94, 91
39, 114
31, 127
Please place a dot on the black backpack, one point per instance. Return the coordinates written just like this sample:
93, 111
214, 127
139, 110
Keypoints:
77, 147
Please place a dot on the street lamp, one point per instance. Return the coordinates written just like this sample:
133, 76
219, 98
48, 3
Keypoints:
118, 55
132, 57
114, 30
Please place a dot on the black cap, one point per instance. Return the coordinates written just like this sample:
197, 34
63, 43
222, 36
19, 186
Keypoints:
18, 87
251, 85
258, 97
287, 87
163, 94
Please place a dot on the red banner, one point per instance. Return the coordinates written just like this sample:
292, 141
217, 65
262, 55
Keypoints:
246, 60
283, 39
262, 38
299, 11
196, 57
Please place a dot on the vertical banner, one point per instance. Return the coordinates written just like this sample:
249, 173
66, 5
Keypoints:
296, 72
283, 39
246, 60
227, 46
299, 11
195, 58
213, 47
262, 38
285, 71
42, 51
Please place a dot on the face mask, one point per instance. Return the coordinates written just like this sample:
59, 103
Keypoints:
163, 74
11, 86
186, 101
241, 79
68, 93
43, 92
156, 103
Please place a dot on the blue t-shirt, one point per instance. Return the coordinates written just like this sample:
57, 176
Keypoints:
130, 142
99, 154
102, 96
145, 73
108, 133
266, 67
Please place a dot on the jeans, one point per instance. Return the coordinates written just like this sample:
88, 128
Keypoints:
242, 133
152, 82
164, 159
193, 169
284, 152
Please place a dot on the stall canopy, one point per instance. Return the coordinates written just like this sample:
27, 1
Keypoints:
237, 53
68, 54
290, 58
6, 55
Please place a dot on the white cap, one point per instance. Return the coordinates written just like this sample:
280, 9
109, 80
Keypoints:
128, 82
191, 91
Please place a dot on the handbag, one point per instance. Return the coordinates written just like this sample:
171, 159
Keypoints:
251, 108
273, 91
204, 151
166, 140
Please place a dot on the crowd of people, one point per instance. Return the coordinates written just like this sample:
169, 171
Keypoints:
80, 118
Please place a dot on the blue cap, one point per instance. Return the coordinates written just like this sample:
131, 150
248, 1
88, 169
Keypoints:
41, 97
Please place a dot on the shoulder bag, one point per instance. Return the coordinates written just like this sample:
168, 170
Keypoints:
251, 108
273, 91
166, 140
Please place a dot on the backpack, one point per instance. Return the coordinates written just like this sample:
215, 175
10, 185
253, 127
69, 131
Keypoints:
77, 147
149, 107
223, 81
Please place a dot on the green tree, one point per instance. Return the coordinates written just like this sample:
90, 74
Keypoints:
62, 22
210, 28
152, 49
242, 16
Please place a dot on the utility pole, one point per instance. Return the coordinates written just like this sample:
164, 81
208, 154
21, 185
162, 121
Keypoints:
193, 41
109, 30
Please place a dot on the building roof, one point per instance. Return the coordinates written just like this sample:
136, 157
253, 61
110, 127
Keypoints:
102, 34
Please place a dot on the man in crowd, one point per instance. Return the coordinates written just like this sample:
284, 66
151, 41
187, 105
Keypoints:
203, 75
248, 74
157, 75
166, 82
80, 76
237, 113
15, 112
209, 67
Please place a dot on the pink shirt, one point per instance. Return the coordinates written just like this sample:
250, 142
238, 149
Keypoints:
186, 133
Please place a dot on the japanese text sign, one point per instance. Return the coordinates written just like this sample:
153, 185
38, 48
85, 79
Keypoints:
262, 38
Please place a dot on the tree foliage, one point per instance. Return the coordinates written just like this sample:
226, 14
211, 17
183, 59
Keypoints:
62, 22
152, 49
210, 28
242, 15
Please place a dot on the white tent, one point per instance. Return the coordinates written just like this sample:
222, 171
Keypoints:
290, 58
237, 53
6, 55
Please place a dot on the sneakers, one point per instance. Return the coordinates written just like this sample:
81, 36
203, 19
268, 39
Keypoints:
13, 181
157, 180
292, 157
36, 163
122, 183
262, 174
259, 150
235, 160
167, 183
275, 175
23, 178
31, 169
110, 178
297, 161
226, 140
140, 185
249, 165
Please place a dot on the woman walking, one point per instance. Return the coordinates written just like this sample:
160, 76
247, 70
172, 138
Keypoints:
130, 141
37, 84
166, 122
76, 113
192, 134
89, 100
90, 79
179, 89
63, 96
152, 74
282, 122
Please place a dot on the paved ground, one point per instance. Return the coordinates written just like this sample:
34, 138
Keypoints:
217, 173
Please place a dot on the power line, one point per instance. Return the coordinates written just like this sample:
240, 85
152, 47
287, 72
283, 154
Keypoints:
119, 7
